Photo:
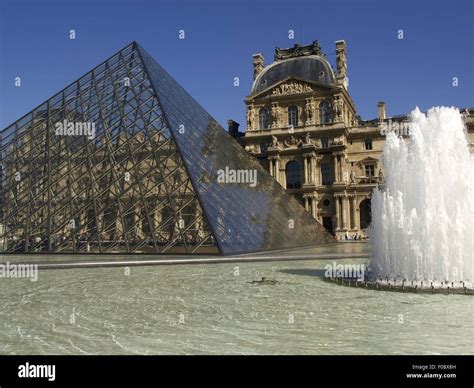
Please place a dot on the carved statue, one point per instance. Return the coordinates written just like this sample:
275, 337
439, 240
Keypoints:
353, 177
292, 142
335, 108
276, 115
251, 148
274, 141
341, 107
381, 176
249, 118
297, 50
309, 110
257, 69
338, 106
307, 138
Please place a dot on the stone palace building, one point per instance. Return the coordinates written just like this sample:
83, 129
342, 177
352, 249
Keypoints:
303, 126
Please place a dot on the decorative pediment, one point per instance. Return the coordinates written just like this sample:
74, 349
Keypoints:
292, 85
367, 160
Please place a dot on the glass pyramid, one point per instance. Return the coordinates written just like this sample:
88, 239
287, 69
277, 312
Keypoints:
125, 160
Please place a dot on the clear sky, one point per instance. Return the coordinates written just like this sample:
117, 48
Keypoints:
221, 36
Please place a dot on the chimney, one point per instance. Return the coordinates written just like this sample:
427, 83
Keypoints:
341, 63
233, 128
258, 64
381, 110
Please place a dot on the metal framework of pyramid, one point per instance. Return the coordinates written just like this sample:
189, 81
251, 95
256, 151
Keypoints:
125, 160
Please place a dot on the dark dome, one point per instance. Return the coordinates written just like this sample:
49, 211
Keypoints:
311, 68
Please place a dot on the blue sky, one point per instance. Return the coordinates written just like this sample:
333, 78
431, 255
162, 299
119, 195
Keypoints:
221, 37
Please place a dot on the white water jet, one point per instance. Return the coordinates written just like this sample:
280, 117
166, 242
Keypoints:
423, 220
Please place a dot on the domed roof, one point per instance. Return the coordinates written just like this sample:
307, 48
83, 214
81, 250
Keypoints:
311, 67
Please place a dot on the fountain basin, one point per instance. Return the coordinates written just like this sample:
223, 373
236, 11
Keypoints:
426, 288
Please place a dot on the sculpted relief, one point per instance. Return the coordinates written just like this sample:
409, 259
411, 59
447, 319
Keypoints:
291, 88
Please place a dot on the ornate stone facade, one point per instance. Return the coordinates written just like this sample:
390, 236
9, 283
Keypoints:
303, 126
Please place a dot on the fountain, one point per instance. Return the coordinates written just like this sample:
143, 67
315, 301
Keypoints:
422, 231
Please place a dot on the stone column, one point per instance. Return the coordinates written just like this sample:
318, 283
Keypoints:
356, 215
313, 170
344, 212
352, 212
338, 223
305, 169
82, 223
336, 169
314, 210
138, 222
277, 169
306, 203
317, 170
308, 168
118, 226
100, 223
346, 222
341, 174
157, 219
274, 167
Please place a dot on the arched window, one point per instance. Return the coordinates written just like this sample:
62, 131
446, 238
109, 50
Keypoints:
293, 116
293, 175
325, 112
263, 118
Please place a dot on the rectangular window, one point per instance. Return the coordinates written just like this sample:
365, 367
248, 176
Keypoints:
293, 116
368, 144
263, 148
326, 173
369, 170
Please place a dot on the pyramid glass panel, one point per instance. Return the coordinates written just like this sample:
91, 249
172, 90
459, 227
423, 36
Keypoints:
124, 160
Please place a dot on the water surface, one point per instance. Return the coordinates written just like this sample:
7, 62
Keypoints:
215, 309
